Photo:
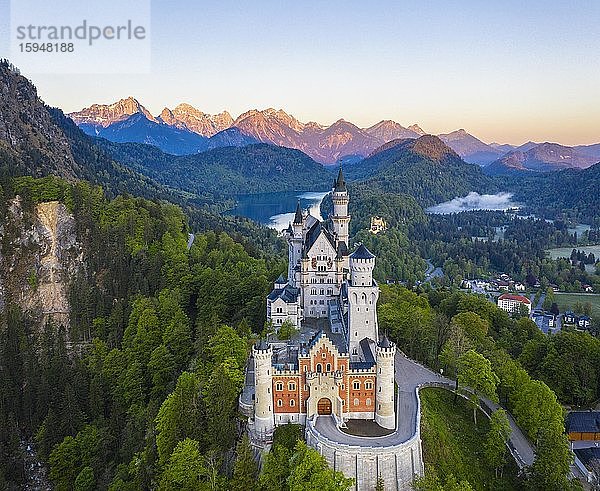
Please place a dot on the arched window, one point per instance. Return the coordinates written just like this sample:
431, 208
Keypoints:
319, 368
292, 402
356, 402
329, 367
356, 384
291, 385
354, 351
368, 402
368, 384
279, 386
279, 403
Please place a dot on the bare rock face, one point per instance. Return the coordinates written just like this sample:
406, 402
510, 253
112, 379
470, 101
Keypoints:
37, 264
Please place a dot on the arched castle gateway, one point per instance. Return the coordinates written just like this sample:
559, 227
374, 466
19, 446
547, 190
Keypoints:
339, 368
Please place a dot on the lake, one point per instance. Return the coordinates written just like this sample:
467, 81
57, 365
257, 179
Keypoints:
276, 210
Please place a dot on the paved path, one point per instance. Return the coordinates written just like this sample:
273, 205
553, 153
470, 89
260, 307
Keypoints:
410, 375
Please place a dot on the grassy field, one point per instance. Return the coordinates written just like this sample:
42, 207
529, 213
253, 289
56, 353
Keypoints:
453, 445
566, 301
566, 251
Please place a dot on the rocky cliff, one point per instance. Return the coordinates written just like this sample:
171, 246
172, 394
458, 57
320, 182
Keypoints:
40, 254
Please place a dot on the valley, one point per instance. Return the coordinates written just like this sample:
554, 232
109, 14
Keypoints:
137, 252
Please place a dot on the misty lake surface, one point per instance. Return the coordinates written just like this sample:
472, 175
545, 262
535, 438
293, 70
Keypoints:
276, 210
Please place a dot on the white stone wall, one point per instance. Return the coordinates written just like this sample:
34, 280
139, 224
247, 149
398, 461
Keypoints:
362, 316
263, 398
396, 465
385, 414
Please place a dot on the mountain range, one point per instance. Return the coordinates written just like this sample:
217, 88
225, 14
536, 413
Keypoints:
186, 130
543, 157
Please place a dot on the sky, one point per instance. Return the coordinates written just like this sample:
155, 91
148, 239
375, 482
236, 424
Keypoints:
506, 71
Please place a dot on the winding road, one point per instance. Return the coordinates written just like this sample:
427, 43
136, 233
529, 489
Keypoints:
410, 375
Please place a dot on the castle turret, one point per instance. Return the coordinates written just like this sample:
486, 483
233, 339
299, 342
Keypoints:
363, 293
385, 414
340, 217
295, 246
263, 381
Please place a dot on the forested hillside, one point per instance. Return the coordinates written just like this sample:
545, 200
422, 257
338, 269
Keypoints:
425, 168
227, 171
166, 332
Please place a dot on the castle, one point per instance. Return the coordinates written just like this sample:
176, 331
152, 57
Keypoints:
337, 371
345, 369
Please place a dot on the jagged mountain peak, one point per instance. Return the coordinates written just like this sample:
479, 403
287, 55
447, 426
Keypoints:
417, 129
103, 115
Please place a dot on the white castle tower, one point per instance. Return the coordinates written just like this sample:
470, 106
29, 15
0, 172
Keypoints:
363, 293
385, 414
340, 217
295, 246
263, 381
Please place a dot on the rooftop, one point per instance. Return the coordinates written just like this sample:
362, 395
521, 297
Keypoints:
516, 298
583, 422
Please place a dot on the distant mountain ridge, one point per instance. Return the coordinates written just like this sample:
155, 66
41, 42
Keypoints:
543, 157
185, 130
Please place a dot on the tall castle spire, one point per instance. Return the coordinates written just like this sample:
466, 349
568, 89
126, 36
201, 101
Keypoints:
340, 217
339, 185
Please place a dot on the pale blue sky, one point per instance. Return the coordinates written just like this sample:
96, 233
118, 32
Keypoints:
506, 71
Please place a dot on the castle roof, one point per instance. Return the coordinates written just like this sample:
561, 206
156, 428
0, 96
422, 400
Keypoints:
281, 280
339, 184
385, 342
362, 253
262, 344
288, 294
298, 215
313, 234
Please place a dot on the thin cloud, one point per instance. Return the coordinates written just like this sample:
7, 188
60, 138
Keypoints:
474, 201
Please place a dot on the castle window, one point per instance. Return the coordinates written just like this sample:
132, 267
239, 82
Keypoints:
330, 291
329, 367
313, 291
319, 368
321, 302
343, 386
368, 402
356, 402
279, 403
279, 386
354, 351
291, 386
356, 384
368, 384
323, 355
322, 291
292, 402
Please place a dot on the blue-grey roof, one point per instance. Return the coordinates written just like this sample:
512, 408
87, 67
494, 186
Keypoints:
298, 215
362, 253
583, 422
288, 294
366, 349
313, 234
281, 279
385, 342
339, 184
